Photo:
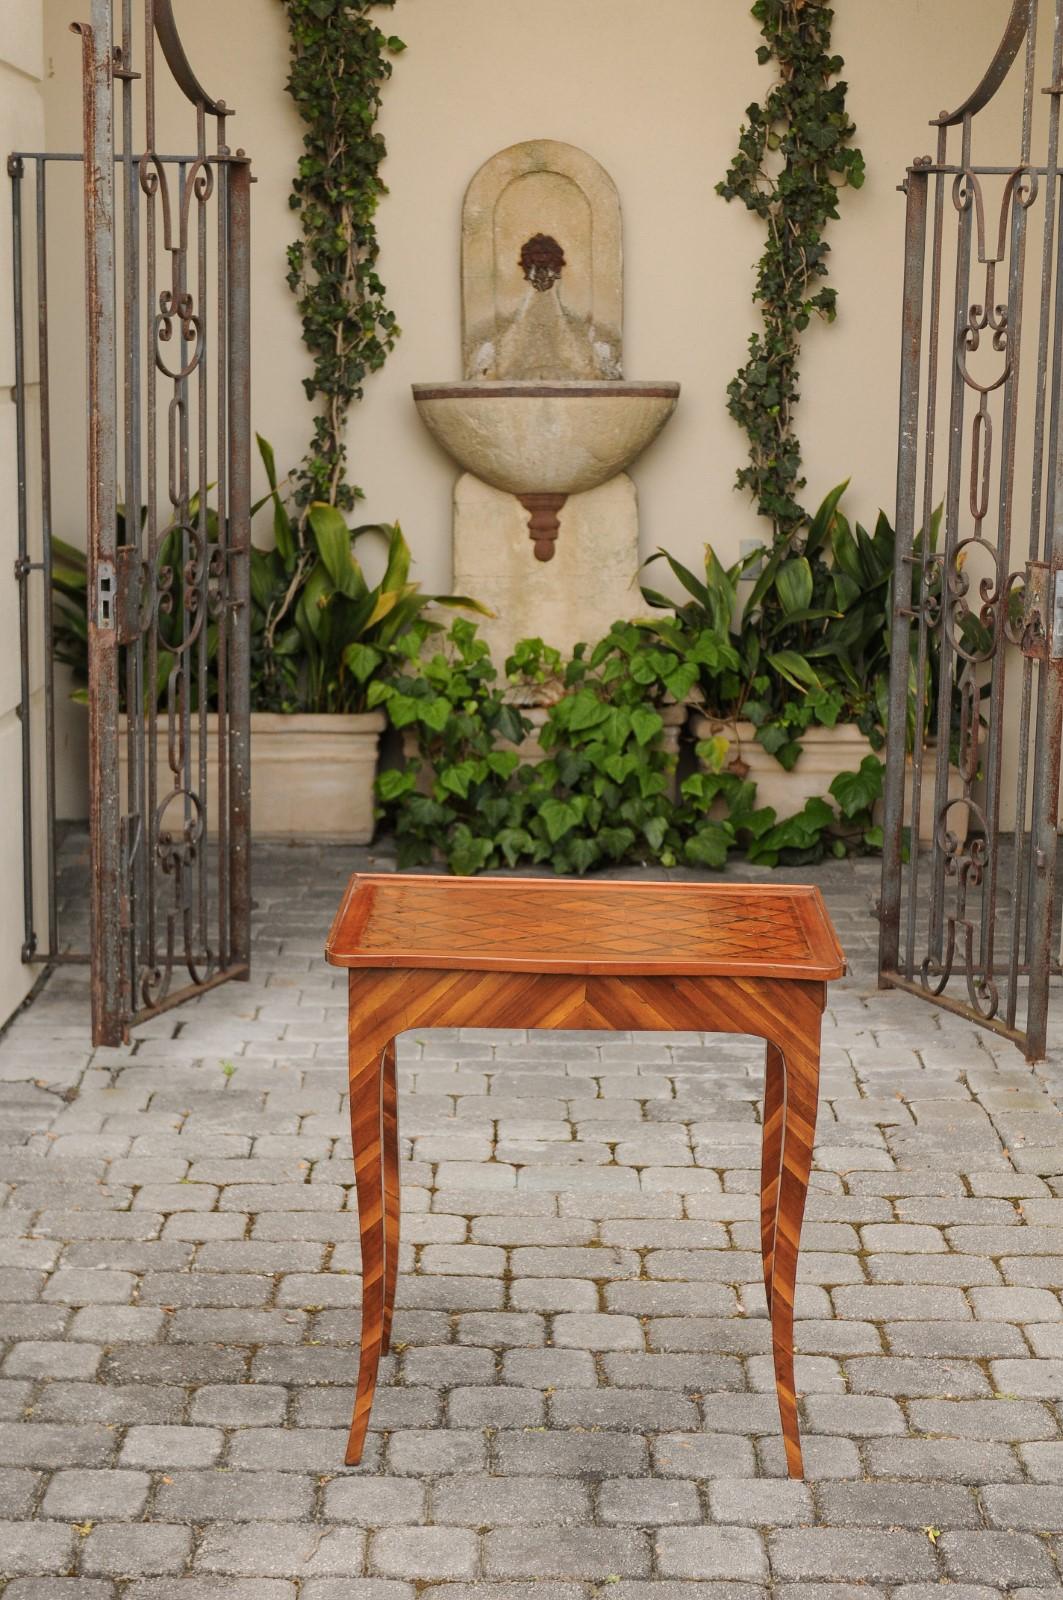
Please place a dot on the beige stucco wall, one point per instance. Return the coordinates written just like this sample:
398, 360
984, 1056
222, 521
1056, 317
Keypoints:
656, 93
21, 127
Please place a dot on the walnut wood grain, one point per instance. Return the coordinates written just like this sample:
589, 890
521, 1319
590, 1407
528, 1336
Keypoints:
385, 1001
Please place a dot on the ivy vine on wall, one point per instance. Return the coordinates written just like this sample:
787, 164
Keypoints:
795, 152
340, 61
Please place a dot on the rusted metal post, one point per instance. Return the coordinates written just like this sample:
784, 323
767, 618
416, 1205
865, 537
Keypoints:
23, 565
907, 475
104, 801
239, 542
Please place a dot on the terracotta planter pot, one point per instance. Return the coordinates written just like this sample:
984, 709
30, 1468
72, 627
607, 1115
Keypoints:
824, 753
311, 776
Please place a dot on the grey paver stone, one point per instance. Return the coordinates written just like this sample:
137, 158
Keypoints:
80, 1494
274, 1549
560, 1552
165, 1447
34, 1547
868, 1555
711, 1553
425, 1552
1004, 1559
134, 1549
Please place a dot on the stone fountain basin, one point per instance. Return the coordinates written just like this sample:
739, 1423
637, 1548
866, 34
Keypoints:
535, 437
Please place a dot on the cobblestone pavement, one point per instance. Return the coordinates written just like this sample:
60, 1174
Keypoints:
580, 1402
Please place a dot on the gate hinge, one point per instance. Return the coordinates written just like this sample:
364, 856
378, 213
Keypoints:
130, 568
1042, 630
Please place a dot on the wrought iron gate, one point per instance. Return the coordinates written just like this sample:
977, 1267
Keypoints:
167, 535
976, 695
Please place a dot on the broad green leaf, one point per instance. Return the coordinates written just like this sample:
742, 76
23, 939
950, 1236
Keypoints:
265, 450
794, 668
333, 539
794, 585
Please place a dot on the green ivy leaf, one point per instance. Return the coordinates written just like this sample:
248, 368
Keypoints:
708, 847
645, 724
363, 660
435, 713
558, 817
858, 791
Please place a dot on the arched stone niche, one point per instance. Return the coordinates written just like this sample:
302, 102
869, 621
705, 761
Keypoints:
542, 266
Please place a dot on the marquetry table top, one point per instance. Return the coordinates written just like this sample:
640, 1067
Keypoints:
540, 925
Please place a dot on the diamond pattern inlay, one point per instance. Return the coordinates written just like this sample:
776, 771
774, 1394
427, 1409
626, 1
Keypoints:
526, 923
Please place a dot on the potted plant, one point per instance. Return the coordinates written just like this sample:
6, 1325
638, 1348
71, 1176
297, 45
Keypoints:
767, 714
320, 635
807, 698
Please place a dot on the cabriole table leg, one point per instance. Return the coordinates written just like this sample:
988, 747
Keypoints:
367, 1119
391, 1192
770, 1161
801, 1071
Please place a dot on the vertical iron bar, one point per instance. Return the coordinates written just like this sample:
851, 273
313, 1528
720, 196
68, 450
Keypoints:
1049, 727
952, 513
907, 468
222, 656
923, 577
239, 556
150, 177
1006, 488
1023, 864
203, 663
46, 551
16, 171
136, 712
104, 808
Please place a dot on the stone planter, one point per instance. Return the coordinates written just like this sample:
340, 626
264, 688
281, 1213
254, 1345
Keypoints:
531, 751
311, 775
824, 753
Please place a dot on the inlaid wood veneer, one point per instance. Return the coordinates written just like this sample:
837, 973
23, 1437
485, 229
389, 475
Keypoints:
522, 953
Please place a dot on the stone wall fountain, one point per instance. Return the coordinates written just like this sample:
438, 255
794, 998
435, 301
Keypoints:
544, 424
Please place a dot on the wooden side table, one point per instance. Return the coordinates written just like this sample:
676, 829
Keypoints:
429, 952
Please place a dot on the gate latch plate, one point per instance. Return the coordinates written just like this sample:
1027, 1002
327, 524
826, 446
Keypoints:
1037, 619
105, 596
